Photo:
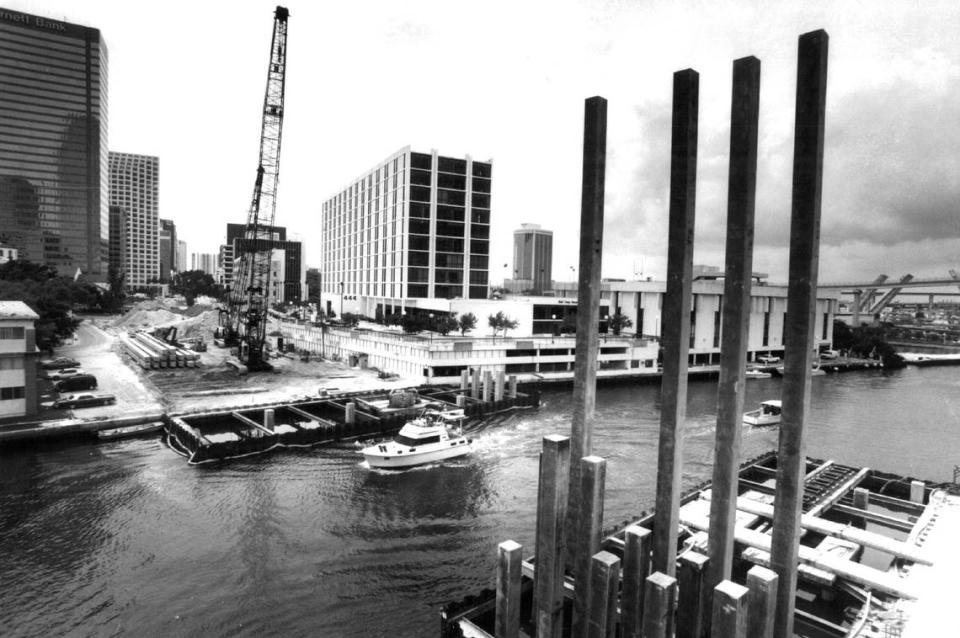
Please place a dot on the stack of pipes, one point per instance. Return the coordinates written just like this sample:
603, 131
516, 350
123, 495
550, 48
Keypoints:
150, 352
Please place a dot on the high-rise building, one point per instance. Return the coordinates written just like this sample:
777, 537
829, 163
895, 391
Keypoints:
313, 285
225, 265
292, 272
118, 244
181, 258
207, 262
417, 225
533, 257
167, 243
134, 187
53, 143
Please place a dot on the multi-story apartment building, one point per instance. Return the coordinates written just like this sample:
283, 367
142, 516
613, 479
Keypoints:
53, 143
18, 360
532, 258
207, 262
181, 255
134, 187
415, 226
224, 274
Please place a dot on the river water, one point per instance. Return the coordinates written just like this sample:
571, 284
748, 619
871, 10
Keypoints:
125, 538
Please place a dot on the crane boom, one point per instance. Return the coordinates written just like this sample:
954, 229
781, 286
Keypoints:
244, 322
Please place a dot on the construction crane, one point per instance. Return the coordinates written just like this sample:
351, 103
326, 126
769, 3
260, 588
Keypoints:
243, 323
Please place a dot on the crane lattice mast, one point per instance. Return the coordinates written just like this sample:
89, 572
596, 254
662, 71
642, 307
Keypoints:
249, 297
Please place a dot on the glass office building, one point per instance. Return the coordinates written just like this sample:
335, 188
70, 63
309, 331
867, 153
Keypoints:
53, 143
415, 226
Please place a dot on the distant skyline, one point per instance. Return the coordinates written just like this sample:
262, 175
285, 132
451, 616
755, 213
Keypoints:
507, 81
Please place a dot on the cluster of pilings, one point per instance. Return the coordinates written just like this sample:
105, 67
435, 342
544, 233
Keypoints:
149, 352
643, 593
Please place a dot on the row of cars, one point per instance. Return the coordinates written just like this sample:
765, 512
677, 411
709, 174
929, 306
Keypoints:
68, 377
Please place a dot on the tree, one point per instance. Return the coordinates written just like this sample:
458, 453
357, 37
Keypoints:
502, 322
411, 323
113, 299
445, 323
194, 283
350, 319
468, 321
52, 297
618, 322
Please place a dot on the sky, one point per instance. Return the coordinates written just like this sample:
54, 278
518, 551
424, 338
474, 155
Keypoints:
506, 81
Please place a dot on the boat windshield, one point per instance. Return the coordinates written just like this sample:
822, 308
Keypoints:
771, 409
406, 440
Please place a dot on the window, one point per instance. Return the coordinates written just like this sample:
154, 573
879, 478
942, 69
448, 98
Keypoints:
8, 394
419, 226
479, 216
451, 165
450, 213
419, 160
11, 333
481, 247
481, 201
766, 328
458, 182
420, 178
479, 231
449, 245
449, 261
481, 185
418, 290
456, 198
420, 193
450, 229
481, 170
419, 210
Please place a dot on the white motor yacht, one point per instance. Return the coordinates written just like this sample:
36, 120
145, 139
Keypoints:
426, 439
767, 414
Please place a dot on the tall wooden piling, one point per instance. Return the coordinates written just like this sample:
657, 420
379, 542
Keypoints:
475, 384
464, 379
513, 386
741, 200
498, 387
693, 599
551, 514
487, 386
761, 602
676, 317
601, 621
350, 412
587, 540
801, 307
659, 606
588, 297
636, 564
729, 618
269, 419
509, 558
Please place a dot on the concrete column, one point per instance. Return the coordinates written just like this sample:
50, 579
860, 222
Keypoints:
855, 311
801, 309
513, 386
350, 415
761, 602
676, 317
588, 296
729, 611
551, 513
861, 500
461, 400
475, 386
509, 556
658, 606
587, 539
741, 199
269, 419
691, 606
464, 379
602, 603
499, 386
636, 564
916, 491
487, 389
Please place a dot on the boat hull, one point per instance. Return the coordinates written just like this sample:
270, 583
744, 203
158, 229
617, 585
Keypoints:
377, 459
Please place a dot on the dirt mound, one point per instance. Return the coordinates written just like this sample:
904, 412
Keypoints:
146, 318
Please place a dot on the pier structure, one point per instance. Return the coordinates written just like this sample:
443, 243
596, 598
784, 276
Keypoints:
773, 545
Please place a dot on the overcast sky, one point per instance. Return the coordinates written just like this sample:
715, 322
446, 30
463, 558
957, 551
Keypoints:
506, 81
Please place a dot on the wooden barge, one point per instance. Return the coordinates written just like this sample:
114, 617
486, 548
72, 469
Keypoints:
874, 546
215, 436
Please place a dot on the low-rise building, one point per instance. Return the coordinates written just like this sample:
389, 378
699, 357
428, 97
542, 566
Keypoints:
18, 360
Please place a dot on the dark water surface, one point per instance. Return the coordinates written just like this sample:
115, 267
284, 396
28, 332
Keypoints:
126, 539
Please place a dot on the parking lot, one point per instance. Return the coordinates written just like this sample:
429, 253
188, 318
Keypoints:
98, 355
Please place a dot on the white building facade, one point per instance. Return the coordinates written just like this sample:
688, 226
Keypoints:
134, 187
416, 226
18, 360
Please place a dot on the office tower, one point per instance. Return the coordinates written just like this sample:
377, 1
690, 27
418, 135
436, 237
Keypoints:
416, 225
207, 262
134, 187
291, 275
533, 257
313, 285
181, 256
118, 244
167, 242
53, 143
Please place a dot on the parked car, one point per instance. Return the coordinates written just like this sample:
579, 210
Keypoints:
59, 363
56, 375
79, 382
769, 358
829, 354
85, 399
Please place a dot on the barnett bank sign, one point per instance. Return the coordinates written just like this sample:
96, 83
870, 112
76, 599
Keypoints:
33, 21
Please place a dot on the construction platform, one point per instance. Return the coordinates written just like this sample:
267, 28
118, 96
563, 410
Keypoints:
215, 436
875, 560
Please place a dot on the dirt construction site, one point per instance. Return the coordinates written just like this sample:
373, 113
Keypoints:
211, 384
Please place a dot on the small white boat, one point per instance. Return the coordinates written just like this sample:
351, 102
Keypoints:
757, 374
767, 414
426, 439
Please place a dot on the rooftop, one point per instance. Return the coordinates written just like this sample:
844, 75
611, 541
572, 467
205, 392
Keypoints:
16, 310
